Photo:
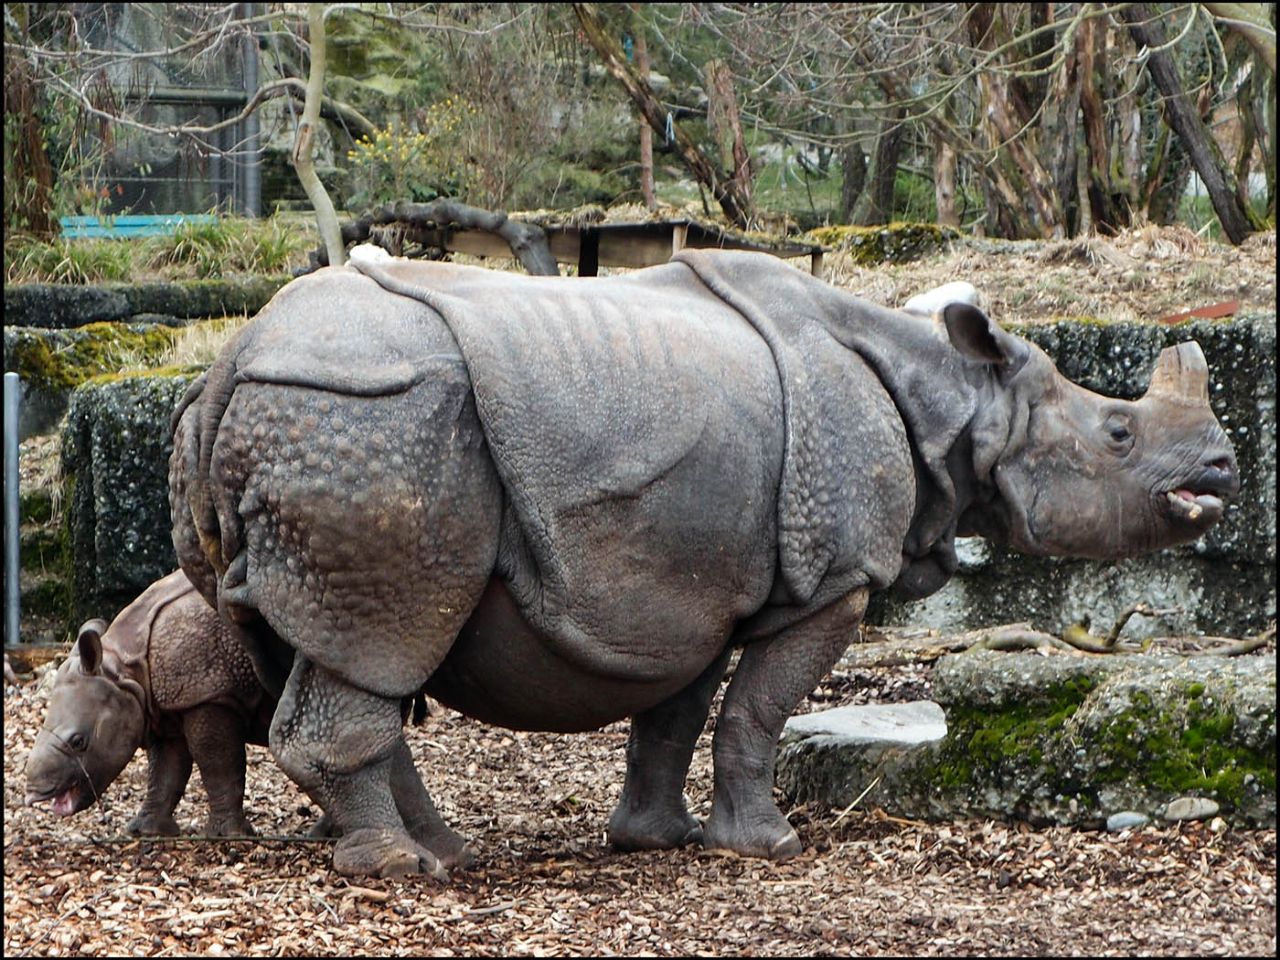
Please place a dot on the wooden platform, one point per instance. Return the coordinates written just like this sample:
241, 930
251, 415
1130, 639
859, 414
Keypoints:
639, 244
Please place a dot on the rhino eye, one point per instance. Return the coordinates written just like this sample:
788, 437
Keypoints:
1117, 428
77, 742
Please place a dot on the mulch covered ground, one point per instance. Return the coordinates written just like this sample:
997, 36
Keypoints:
535, 806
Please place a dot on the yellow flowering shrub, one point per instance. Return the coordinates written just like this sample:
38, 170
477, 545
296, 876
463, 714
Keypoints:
402, 164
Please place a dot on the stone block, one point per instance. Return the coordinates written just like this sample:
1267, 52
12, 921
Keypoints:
1059, 739
115, 450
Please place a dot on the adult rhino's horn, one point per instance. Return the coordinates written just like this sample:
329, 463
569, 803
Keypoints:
1181, 374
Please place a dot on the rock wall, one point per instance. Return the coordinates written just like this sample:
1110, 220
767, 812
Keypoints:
115, 457
60, 305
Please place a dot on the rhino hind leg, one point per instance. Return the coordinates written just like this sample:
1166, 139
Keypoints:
420, 816
340, 744
771, 678
651, 814
215, 737
168, 770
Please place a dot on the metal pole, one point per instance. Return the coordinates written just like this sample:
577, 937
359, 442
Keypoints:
252, 200
12, 594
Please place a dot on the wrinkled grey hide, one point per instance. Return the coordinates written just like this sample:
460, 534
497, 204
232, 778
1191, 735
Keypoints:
165, 675
559, 502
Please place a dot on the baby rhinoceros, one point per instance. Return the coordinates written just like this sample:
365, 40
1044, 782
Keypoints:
169, 675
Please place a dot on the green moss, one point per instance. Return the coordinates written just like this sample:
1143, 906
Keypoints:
62, 359
1185, 753
170, 370
986, 743
892, 243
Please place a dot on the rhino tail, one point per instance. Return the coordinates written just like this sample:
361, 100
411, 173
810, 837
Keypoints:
206, 535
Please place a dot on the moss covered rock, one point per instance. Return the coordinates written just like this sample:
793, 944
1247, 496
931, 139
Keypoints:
115, 455
1067, 739
52, 363
890, 243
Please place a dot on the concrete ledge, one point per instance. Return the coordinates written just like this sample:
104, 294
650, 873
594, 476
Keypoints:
60, 305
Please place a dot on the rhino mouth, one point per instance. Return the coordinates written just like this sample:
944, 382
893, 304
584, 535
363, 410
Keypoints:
1185, 504
1200, 501
64, 800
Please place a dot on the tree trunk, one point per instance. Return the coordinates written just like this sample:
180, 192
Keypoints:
1148, 32
1108, 209
1025, 188
305, 141
884, 170
706, 172
944, 185
26, 161
853, 169
725, 126
646, 131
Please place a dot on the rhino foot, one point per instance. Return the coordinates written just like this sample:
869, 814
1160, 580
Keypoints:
652, 831
374, 852
229, 827
153, 825
769, 838
449, 847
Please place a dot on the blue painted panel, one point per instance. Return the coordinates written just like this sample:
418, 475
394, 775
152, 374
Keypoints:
130, 225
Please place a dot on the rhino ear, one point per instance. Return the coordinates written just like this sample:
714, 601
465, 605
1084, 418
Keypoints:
974, 335
89, 645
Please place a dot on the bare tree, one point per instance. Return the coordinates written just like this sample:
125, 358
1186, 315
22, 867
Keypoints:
726, 190
1237, 219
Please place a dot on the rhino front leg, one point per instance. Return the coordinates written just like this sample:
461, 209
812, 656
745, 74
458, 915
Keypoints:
651, 814
168, 770
771, 678
339, 743
215, 736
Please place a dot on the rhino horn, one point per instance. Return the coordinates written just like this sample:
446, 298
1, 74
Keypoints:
1181, 375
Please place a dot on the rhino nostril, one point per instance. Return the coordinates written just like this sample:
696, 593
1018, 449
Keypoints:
1222, 463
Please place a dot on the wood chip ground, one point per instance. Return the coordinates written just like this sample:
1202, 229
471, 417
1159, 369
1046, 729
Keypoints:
545, 884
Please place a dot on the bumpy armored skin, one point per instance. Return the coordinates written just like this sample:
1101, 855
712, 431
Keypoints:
553, 503
166, 675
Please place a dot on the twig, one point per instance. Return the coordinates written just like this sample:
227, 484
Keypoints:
320, 900
201, 838
481, 911
850, 807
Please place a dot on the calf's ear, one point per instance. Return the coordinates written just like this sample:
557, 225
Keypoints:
974, 334
89, 645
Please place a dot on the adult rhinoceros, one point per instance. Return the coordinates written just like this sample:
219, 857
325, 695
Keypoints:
560, 502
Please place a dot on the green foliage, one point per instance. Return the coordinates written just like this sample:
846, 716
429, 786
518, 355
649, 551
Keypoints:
228, 245
913, 198
67, 261
399, 164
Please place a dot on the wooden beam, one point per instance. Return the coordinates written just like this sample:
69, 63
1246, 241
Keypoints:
589, 253
679, 236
